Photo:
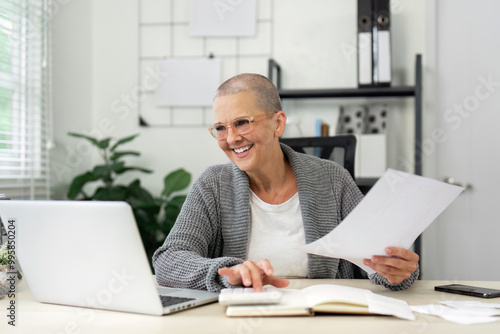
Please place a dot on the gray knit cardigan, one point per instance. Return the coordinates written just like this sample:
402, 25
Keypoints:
212, 229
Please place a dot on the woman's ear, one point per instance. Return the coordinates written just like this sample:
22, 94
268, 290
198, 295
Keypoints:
280, 123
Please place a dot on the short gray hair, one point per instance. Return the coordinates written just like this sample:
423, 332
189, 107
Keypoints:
265, 91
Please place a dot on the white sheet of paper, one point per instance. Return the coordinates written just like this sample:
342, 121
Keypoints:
465, 316
389, 306
223, 18
470, 304
188, 81
395, 211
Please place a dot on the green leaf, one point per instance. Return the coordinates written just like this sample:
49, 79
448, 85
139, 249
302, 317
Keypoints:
138, 196
165, 227
147, 206
101, 171
146, 221
104, 143
178, 200
78, 182
117, 167
118, 193
91, 139
171, 213
175, 181
123, 141
169, 220
126, 169
118, 155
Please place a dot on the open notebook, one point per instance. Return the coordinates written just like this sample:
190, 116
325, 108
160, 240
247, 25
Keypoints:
326, 298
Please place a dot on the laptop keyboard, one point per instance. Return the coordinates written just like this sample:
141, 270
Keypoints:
170, 300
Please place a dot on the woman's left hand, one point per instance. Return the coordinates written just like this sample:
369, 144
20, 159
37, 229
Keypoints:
397, 266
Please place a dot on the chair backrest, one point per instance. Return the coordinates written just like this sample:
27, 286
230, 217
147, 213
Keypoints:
341, 148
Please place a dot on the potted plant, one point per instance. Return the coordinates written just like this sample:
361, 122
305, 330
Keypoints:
155, 216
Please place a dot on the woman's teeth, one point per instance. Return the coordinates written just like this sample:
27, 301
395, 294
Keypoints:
242, 149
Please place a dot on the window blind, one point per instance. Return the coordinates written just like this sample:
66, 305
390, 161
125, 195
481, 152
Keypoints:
24, 98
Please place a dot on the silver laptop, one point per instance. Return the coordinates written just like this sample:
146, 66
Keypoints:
90, 254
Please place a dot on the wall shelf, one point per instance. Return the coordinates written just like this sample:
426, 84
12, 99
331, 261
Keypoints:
274, 74
348, 92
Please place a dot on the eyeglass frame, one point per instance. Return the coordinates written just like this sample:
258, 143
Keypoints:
251, 119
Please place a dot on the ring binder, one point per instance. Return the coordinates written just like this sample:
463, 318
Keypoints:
374, 43
382, 73
365, 57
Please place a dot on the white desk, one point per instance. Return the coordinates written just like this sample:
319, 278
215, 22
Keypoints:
34, 317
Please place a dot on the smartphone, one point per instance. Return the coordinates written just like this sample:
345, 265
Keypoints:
469, 290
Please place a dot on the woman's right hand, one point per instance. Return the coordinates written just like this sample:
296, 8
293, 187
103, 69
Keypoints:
256, 274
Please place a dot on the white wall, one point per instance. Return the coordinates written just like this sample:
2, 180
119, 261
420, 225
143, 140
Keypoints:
72, 82
95, 65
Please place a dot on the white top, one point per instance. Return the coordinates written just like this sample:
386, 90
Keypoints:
276, 231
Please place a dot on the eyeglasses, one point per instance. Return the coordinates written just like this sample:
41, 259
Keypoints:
240, 125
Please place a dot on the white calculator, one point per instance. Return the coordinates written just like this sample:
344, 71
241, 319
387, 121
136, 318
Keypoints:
247, 296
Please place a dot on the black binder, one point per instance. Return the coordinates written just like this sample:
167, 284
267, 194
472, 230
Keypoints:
382, 68
365, 43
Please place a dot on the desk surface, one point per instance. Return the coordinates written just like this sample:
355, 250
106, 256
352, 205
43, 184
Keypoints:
34, 317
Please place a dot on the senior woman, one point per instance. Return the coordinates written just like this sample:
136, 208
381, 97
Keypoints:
241, 221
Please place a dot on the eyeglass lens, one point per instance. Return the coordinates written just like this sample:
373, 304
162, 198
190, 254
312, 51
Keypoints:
241, 126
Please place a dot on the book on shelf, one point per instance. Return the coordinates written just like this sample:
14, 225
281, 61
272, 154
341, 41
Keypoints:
322, 129
326, 298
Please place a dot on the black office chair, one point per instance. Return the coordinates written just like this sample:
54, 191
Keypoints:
341, 148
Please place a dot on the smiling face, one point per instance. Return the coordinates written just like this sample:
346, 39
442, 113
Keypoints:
253, 151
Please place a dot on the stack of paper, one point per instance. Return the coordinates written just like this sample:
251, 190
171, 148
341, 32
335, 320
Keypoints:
462, 312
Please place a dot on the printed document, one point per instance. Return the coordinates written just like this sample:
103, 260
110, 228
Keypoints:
395, 211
